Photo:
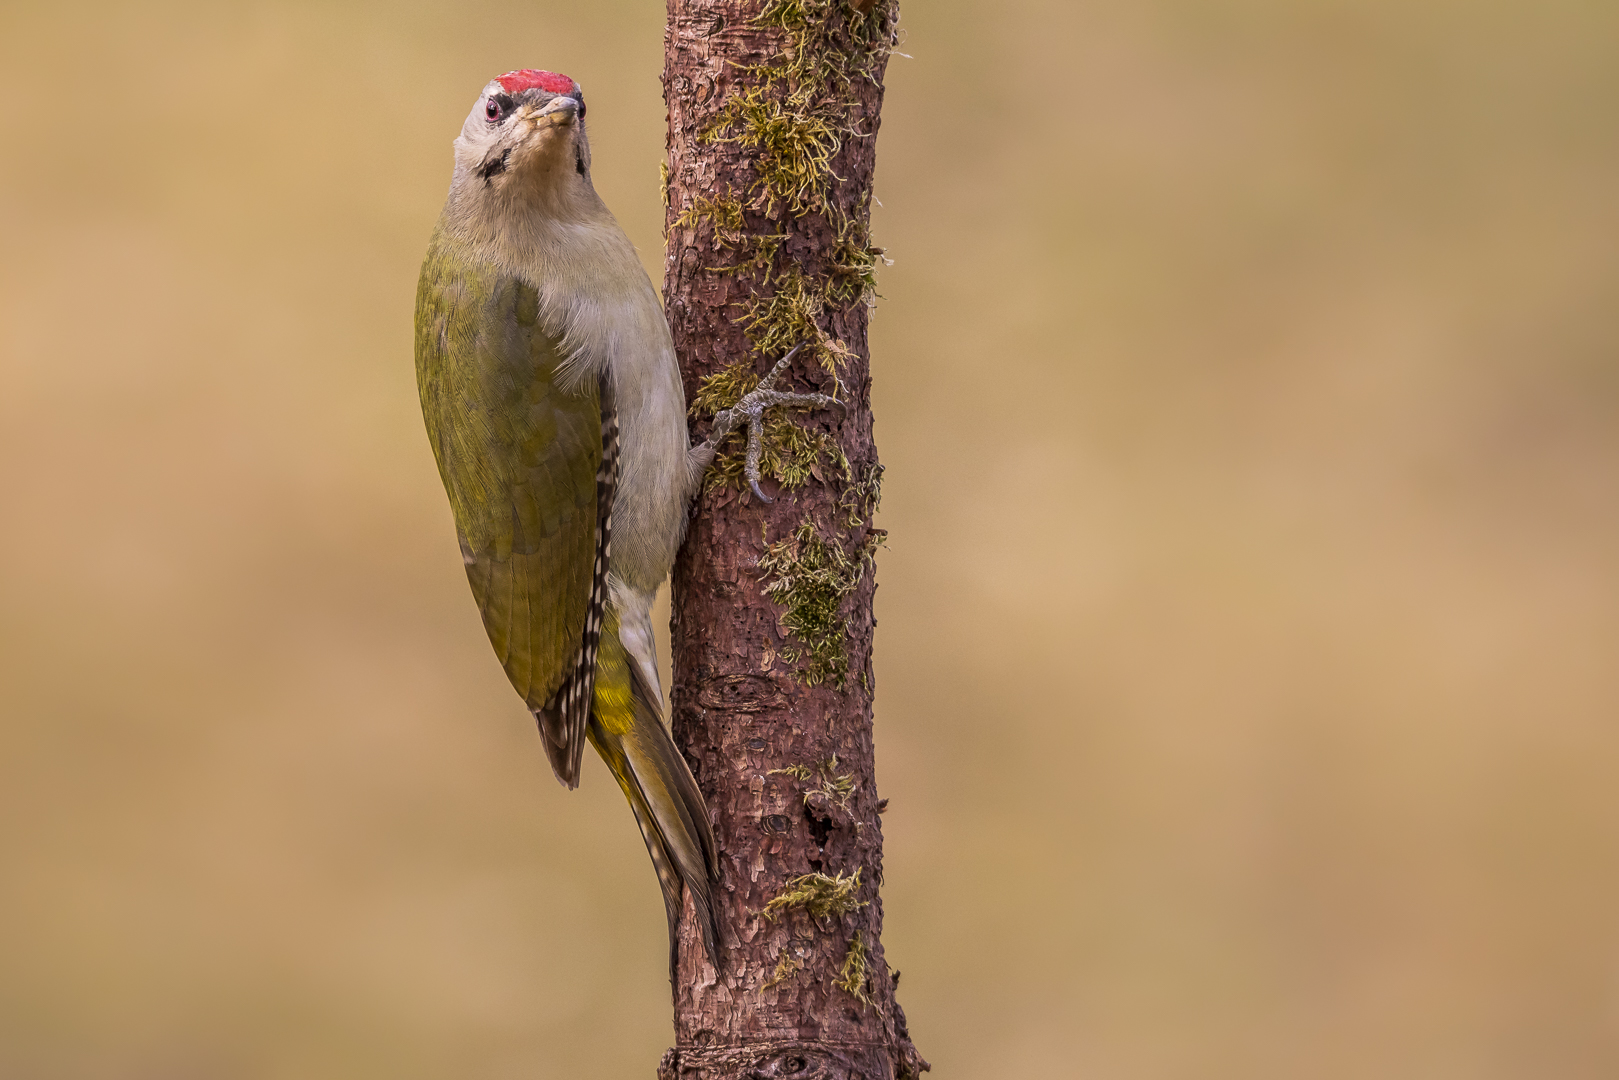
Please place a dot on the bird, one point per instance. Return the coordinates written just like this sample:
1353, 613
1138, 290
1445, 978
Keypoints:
553, 403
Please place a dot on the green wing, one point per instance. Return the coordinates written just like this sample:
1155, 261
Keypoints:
520, 458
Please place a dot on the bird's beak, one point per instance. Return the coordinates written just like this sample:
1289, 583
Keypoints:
558, 112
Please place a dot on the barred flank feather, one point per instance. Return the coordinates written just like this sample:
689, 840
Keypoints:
563, 718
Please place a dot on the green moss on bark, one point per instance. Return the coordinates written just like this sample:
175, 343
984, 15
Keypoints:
852, 975
819, 895
809, 576
837, 787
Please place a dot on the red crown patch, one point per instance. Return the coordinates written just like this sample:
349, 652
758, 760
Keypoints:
514, 82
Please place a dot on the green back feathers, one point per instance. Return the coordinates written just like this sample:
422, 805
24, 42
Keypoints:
518, 457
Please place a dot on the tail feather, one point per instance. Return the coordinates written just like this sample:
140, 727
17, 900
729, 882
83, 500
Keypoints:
627, 730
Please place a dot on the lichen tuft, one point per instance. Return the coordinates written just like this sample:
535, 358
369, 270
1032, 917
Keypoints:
809, 577
792, 314
819, 895
861, 498
852, 976
854, 259
829, 43
723, 211
786, 968
797, 113
838, 787
793, 147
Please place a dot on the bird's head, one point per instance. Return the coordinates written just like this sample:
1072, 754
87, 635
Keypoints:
526, 135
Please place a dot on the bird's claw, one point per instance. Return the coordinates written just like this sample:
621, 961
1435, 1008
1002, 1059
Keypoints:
752, 407
750, 463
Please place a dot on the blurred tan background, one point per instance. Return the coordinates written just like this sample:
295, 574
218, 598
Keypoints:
1248, 379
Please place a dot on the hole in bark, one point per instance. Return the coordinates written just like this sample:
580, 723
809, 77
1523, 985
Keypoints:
820, 829
757, 744
793, 1065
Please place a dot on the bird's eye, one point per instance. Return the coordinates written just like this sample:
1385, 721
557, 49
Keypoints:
492, 110
581, 108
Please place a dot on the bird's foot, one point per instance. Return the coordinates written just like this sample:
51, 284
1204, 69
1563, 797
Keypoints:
752, 410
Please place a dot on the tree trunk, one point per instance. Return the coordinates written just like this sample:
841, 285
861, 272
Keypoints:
773, 116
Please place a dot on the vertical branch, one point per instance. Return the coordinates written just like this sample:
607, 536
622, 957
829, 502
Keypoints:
773, 112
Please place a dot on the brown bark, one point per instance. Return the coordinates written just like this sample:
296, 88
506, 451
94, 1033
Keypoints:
740, 710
